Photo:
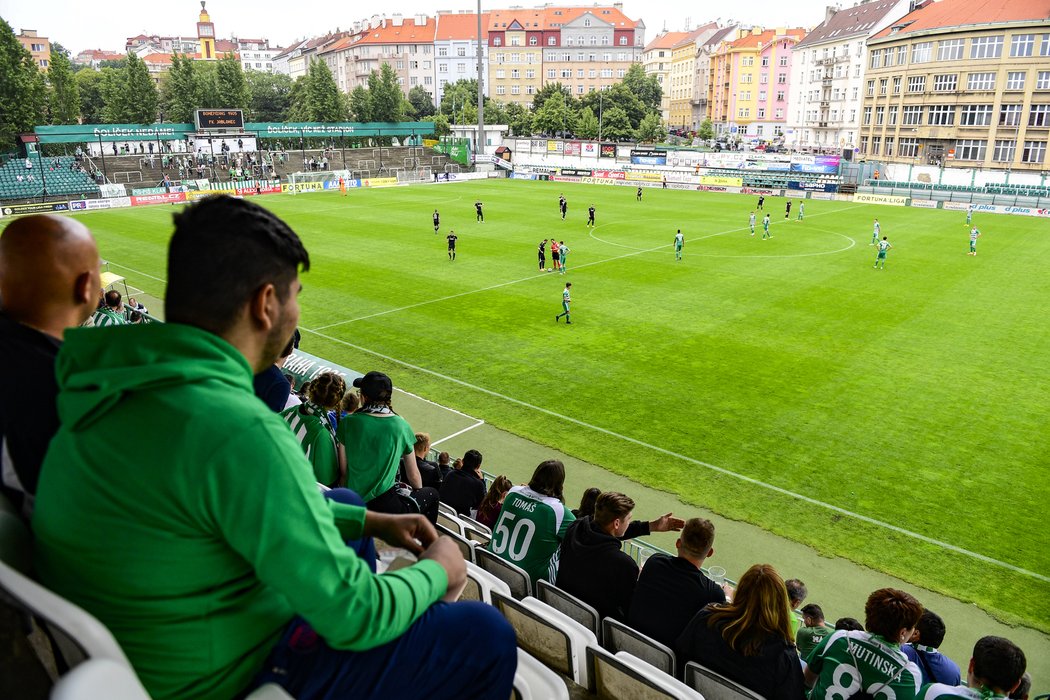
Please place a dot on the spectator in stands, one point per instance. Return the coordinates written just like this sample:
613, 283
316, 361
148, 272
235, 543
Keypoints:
255, 583
350, 403
428, 470
29, 164
490, 506
890, 617
813, 630
309, 424
1024, 688
112, 313
543, 505
135, 305
375, 439
671, 590
748, 640
49, 274
271, 385
587, 502
797, 592
464, 489
590, 553
849, 624
996, 669
934, 666
444, 465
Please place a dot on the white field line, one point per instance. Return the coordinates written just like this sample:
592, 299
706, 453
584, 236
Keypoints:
137, 272
457, 433
720, 470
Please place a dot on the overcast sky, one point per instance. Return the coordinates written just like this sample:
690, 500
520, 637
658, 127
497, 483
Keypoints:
79, 25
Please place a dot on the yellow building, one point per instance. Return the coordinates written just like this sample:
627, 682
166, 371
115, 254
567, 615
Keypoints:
39, 46
681, 80
656, 60
206, 35
515, 55
960, 83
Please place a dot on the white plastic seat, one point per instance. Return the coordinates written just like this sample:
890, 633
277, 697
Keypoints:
452, 522
99, 678
557, 641
534, 681
627, 676
466, 547
570, 605
620, 637
485, 582
514, 576
715, 686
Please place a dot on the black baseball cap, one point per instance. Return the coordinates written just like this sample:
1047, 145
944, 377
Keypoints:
374, 385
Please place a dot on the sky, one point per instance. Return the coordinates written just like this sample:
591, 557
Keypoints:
80, 25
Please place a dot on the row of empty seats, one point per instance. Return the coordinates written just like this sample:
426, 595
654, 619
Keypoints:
989, 188
54, 173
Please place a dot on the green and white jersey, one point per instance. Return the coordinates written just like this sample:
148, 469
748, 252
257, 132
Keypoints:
848, 662
765, 222
565, 297
107, 317
315, 435
974, 234
877, 229
529, 531
679, 240
751, 220
809, 638
883, 247
940, 691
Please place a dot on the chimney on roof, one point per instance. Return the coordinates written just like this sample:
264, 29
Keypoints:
616, 6
398, 20
421, 20
831, 11
755, 31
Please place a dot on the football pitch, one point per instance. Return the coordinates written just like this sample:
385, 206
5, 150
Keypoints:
897, 417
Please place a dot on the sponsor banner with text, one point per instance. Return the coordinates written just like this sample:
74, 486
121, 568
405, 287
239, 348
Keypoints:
822, 195
35, 208
812, 186
611, 174
645, 177
554, 147
148, 190
762, 191
523, 176
379, 181
575, 172
113, 190
1016, 211
607, 150
924, 203
572, 148
158, 198
724, 181
880, 199
589, 150
955, 206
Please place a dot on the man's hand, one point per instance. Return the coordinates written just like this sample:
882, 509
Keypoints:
413, 532
666, 523
446, 553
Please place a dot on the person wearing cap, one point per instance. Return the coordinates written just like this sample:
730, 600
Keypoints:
376, 441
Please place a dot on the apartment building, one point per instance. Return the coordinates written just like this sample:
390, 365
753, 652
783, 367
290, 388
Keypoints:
37, 45
456, 51
827, 74
516, 39
960, 83
656, 60
701, 108
682, 76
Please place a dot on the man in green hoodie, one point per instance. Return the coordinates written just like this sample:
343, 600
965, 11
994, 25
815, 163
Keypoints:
200, 538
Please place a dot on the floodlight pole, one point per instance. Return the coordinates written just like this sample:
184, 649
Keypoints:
481, 93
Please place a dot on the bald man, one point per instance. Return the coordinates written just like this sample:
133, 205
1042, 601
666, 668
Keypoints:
49, 281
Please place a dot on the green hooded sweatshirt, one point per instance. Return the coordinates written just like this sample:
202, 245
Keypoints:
180, 511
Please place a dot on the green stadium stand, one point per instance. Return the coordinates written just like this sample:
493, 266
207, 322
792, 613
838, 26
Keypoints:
19, 182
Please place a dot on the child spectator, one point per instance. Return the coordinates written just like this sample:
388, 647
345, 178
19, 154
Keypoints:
488, 511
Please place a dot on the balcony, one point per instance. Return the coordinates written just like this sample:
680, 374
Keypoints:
826, 82
824, 104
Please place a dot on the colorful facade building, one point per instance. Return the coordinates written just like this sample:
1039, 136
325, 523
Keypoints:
656, 60
456, 51
37, 45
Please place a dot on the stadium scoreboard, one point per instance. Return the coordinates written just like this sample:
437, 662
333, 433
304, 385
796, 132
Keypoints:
225, 119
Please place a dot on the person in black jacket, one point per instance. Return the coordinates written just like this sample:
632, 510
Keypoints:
671, 590
591, 565
464, 488
749, 640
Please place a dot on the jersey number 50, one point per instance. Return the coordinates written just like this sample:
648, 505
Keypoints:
515, 543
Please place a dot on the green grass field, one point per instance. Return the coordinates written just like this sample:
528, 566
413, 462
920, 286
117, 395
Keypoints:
896, 417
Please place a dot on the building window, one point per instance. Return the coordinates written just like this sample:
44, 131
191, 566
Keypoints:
780, 95
782, 78
922, 52
889, 146
761, 113
902, 55
552, 74
950, 50
1004, 151
864, 144
876, 145
552, 41
1034, 152
945, 83
871, 88
882, 86
876, 59
443, 51
1042, 80
893, 116
867, 116
916, 83
986, 47
1044, 45
593, 73
462, 50
897, 85
908, 148
1010, 115
566, 73
912, 115
530, 74
940, 115
530, 89
976, 115
1015, 80
496, 41
970, 149
515, 40
747, 61
428, 80
515, 89
623, 41
880, 116
515, 74
1022, 45
461, 67
980, 81
783, 61
443, 68
501, 74
533, 41
1039, 115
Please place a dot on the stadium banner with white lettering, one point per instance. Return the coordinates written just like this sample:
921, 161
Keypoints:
824, 165
82, 133
113, 190
1017, 211
924, 203
576, 172
719, 180
171, 197
304, 367
955, 206
35, 208
611, 174
880, 199
648, 157
645, 177
524, 176
572, 148
275, 130
148, 190
812, 186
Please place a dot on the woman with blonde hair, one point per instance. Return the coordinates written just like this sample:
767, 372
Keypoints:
488, 511
310, 425
749, 640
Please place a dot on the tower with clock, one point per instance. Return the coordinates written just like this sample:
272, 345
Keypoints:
206, 35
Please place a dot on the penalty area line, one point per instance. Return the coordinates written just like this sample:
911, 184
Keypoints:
685, 458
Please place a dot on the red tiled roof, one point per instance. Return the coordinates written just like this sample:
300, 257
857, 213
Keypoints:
225, 46
529, 19
692, 36
954, 13
762, 38
666, 40
612, 15
461, 26
408, 33
339, 45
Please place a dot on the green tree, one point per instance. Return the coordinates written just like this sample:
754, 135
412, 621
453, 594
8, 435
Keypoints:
421, 101
495, 112
270, 95
650, 130
645, 87
387, 99
554, 116
587, 124
179, 98
232, 86
615, 124
441, 126
206, 85
315, 96
64, 95
706, 130
89, 85
458, 95
130, 94
22, 89
519, 119
549, 90
361, 104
